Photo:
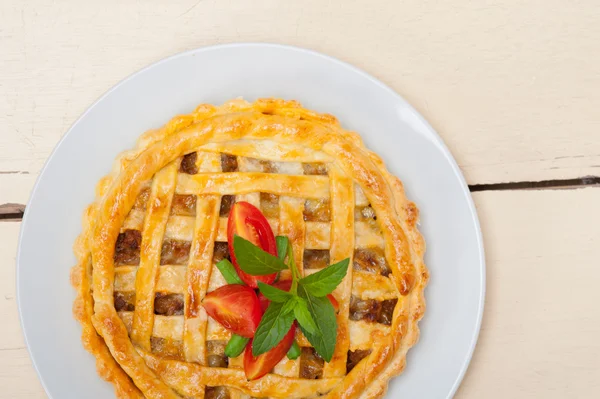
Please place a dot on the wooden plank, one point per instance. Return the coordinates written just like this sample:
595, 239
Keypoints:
540, 330
17, 377
11, 211
15, 188
512, 87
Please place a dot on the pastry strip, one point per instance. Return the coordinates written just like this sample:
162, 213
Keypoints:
171, 279
268, 150
250, 182
252, 195
291, 224
198, 276
200, 266
159, 205
342, 247
189, 378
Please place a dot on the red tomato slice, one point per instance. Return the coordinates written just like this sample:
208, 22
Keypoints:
256, 367
235, 307
334, 302
247, 221
285, 286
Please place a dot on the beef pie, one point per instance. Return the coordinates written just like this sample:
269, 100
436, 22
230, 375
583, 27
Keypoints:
151, 242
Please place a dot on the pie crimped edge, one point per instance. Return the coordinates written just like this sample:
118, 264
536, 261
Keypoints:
104, 334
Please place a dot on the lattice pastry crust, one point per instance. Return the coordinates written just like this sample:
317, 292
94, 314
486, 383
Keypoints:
150, 241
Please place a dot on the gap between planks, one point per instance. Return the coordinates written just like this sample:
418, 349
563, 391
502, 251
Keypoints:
539, 185
14, 212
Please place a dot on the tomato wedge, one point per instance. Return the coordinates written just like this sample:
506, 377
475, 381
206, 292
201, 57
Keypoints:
256, 367
247, 221
334, 302
285, 286
235, 307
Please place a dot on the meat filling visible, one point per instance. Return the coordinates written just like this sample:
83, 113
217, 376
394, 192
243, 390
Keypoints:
317, 210
387, 312
127, 248
316, 258
372, 310
216, 393
269, 205
314, 168
311, 364
167, 348
124, 301
371, 260
183, 205
168, 304
175, 252
188, 164
229, 163
220, 252
216, 354
354, 357
364, 309
267, 166
227, 202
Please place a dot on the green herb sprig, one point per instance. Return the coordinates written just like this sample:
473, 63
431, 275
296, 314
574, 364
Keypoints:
306, 302
237, 344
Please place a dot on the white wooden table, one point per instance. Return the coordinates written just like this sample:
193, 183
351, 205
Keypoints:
513, 87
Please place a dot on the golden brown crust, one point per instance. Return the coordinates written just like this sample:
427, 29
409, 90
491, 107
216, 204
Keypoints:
106, 365
302, 133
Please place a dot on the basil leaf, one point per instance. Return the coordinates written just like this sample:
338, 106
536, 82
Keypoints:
323, 314
228, 272
282, 246
290, 305
254, 260
273, 326
291, 260
324, 281
236, 345
272, 293
294, 352
304, 317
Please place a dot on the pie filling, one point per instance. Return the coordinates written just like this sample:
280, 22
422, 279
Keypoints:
314, 169
216, 393
216, 354
124, 301
372, 310
269, 205
316, 258
220, 252
175, 252
317, 210
371, 260
168, 304
167, 348
226, 202
188, 164
229, 163
183, 205
354, 357
127, 248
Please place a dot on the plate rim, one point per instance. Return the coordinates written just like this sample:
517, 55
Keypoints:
433, 133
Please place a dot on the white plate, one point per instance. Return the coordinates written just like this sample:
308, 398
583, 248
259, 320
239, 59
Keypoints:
149, 98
